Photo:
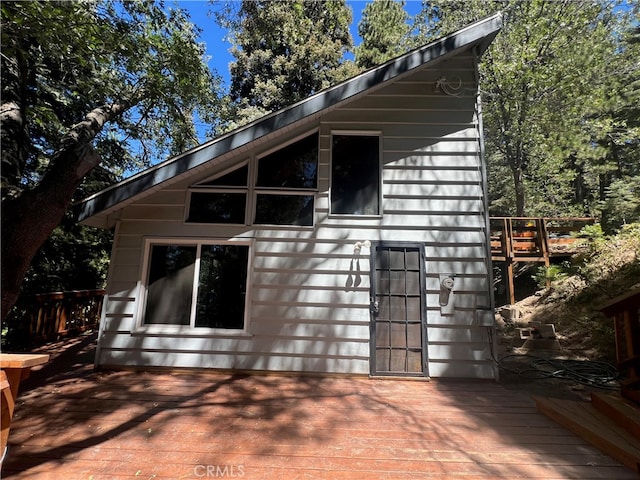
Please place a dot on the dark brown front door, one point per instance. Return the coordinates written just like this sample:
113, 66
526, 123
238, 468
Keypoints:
398, 329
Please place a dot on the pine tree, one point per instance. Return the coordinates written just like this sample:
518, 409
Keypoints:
285, 51
384, 30
544, 81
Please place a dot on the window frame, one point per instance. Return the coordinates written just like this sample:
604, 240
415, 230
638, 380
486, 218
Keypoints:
256, 190
198, 188
192, 190
357, 133
191, 329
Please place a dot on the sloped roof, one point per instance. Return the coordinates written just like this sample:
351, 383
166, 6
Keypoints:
478, 34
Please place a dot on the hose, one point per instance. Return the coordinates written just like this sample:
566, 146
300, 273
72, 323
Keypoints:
587, 372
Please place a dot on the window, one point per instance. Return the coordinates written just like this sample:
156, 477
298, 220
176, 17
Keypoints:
286, 183
294, 166
170, 284
235, 178
279, 189
284, 209
220, 200
217, 273
217, 207
355, 175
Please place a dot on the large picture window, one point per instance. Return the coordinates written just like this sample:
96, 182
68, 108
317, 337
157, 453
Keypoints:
214, 276
355, 175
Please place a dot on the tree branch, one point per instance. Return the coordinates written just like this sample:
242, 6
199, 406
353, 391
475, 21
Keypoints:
29, 218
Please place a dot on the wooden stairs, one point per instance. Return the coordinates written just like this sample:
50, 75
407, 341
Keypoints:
609, 422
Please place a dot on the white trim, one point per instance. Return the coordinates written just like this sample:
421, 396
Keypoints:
216, 189
105, 299
191, 329
222, 173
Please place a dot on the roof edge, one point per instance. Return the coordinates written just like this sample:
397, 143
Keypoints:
481, 32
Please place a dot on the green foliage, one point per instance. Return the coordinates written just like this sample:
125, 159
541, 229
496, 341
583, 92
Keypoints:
593, 233
284, 51
74, 257
63, 59
553, 273
621, 205
560, 91
612, 263
384, 30
82, 82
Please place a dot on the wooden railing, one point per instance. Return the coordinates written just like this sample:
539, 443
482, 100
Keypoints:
49, 316
625, 312
532, 239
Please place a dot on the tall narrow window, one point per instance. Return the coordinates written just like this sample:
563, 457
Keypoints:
355, 175
222, 286
170, 284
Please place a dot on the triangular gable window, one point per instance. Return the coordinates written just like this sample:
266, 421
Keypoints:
286, 184
235, 178
220, 200
291, 167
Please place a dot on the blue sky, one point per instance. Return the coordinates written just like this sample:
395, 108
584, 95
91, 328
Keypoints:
214, 36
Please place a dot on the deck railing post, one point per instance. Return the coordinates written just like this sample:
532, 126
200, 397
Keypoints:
46, 317
528, 239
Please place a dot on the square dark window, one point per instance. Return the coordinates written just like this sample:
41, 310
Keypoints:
220, 281
284, 210
217, 207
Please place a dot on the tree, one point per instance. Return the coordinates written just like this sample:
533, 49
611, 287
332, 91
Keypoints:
543, 77
84, 83
285, 51
615, 127
384, 30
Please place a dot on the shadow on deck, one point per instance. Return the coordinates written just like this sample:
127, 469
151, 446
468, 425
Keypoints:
71, 422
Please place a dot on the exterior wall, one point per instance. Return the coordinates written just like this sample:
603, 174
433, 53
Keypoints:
306, 312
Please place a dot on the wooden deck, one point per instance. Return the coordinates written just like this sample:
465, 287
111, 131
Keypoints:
532, 239
73, 423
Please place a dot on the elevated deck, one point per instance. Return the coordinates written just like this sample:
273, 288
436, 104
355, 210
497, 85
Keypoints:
532, 239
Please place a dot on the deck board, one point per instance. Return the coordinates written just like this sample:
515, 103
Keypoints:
82, 424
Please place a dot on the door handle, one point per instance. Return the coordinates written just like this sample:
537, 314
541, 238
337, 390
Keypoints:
375, 307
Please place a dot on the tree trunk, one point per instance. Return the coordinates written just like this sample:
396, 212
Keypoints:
13, 135
516, 160
29, 219
518, 184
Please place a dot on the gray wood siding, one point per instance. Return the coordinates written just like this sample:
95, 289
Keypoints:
309, 295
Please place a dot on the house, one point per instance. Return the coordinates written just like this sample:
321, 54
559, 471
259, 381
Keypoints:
347, 233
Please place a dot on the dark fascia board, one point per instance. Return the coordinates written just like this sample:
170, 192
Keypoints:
480, 34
